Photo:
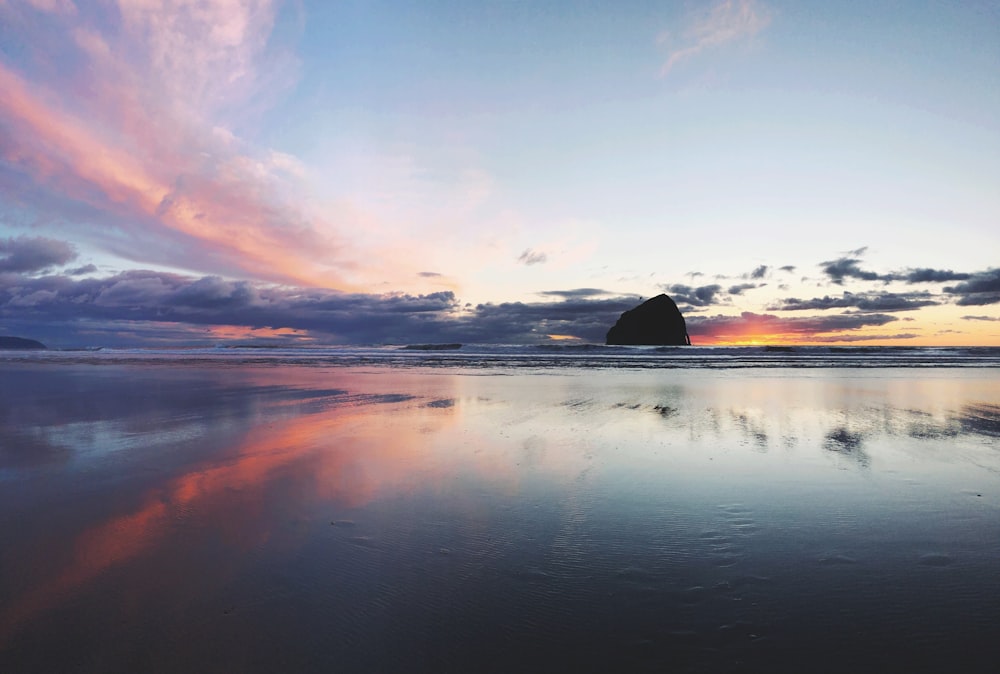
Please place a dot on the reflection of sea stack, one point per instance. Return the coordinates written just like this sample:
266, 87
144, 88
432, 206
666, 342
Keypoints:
657, 322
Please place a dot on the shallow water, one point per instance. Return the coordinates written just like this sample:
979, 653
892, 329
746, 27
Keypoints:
206, 517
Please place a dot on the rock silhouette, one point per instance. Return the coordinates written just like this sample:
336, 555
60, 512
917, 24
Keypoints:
19, 343
656, 321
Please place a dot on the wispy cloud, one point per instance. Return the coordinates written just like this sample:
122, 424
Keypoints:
530, 257
576, 293
726, 22
54, 6
134, 134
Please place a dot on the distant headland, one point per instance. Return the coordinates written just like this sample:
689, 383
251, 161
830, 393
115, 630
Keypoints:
655, 322
20, 343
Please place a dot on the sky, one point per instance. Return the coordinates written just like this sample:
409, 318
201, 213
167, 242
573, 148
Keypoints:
364, 172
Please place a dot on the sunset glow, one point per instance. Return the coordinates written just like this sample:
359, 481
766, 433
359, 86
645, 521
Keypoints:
789, 173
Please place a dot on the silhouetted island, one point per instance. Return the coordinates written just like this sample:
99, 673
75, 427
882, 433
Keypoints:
655, 322
20, 343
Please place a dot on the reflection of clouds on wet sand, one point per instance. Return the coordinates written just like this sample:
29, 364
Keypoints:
433, 506
286, 444
309, 449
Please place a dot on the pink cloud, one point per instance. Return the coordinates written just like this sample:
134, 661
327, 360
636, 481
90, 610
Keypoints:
54, 6
131, 152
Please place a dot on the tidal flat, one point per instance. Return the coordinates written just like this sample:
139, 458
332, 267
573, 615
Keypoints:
237, 517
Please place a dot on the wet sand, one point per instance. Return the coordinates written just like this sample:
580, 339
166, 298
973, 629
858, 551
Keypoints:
159, 518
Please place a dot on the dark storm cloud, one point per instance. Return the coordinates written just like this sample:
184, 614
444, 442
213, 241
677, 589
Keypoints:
700, 296
847, 267
530, 257
576, 293
981, 288
32, 254
869, 302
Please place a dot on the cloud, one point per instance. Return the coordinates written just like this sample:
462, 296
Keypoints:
740, 288
982, 288
576, 293
80, 271
428, 274
150, 307
749, 324
726, 22
790, 268
519, 322
924, 275
870, 302
759, 273
980, 318
847, 267
697, 297
54, 6
530, 257
155, 307
62, 305
863, 338
129, 146
33, 254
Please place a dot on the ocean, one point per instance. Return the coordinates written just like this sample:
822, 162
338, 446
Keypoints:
456, 508
554, 355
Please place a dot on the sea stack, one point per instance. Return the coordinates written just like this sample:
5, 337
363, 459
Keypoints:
655, 322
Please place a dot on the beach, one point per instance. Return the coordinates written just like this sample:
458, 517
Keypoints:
247, 514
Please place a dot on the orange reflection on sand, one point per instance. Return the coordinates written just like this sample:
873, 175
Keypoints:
313, 448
